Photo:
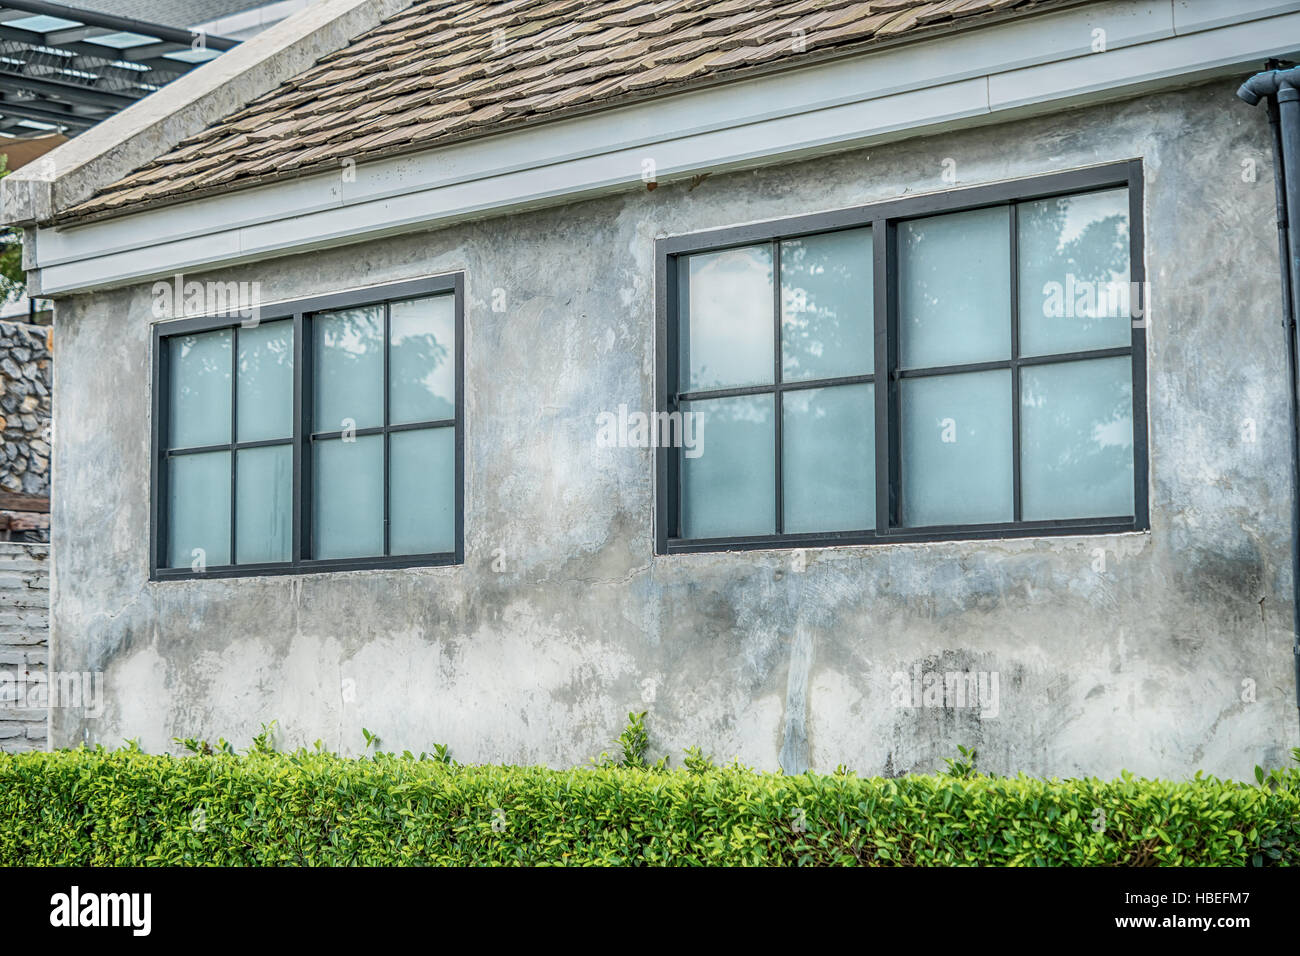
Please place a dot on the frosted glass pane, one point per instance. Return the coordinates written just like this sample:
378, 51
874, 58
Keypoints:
349, 369
727, 336
422, 491
198, 509
730, 488
954, 288
828, 445
263, 504
348, 505
826, 306
199, 404
422, 360
265, 382
1074, 278
1076, 439
957, 449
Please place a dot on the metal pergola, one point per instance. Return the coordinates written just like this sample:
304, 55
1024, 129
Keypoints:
64, 69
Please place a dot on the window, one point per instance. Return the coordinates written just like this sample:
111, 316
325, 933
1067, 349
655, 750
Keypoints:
328, 435
969, 364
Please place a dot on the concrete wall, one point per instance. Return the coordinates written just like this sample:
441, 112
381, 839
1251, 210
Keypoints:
24, 645
1175, 657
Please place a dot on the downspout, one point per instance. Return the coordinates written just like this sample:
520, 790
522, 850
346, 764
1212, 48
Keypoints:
1278, 88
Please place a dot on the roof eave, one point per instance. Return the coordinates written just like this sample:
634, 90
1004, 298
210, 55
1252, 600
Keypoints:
924, 34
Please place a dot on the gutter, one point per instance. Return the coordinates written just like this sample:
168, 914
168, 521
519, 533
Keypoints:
1278, 87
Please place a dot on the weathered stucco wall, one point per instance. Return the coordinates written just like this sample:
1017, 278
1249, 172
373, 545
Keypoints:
1175, 657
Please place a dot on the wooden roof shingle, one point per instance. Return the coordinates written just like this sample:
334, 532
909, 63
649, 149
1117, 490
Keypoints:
443, 70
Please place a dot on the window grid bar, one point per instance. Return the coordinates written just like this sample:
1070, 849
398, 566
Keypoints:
388, 319
795, 386
893, 390
880, 365
234, 434
385, 429
228, 446
1013, 218
1054, 359
302, 412
778, 407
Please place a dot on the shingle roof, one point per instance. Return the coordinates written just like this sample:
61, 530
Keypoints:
444, 70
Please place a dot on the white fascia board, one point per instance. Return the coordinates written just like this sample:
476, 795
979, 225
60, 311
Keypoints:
1218, 51
1191, 16
1014, 68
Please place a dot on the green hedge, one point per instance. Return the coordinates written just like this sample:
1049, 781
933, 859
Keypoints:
127, 808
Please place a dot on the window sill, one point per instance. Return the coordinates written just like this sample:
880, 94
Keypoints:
931, 535
396, 563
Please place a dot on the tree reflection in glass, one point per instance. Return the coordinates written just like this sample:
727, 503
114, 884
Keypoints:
826, 306
1074, 273
349, 368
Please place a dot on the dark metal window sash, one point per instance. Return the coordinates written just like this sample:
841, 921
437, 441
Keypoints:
777, 388
302, 441
883, 219
778, 405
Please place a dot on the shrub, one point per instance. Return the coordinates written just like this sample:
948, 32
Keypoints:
127, 808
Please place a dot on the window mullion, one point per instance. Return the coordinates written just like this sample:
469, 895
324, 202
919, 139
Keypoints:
301, 450
1013, 218
388, 322
777, 401
882, 323
234, 434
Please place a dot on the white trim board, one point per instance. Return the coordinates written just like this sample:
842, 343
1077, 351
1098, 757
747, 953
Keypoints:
995, 73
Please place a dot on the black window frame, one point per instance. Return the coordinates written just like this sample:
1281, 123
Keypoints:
301, 312
883, 218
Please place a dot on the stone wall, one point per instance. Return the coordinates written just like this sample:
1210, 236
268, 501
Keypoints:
25, 385
24, 646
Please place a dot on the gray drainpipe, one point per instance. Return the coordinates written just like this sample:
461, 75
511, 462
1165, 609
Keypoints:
1279, 88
